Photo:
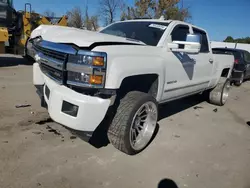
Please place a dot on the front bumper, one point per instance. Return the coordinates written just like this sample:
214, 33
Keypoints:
87, 112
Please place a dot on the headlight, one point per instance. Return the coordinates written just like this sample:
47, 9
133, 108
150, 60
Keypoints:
98, 61
87, 69
77, 78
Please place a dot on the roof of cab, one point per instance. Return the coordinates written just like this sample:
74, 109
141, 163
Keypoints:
147, 20
161, 21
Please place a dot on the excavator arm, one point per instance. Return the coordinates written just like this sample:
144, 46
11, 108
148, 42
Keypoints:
16, 27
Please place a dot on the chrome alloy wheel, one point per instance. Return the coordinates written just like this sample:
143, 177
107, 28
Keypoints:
143, 125
225, 93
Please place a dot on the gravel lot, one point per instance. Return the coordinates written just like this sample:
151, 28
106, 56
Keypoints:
198, 145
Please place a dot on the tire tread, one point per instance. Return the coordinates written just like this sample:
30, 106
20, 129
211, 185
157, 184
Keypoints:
117, 131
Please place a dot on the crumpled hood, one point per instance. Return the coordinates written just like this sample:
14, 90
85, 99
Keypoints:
79, 37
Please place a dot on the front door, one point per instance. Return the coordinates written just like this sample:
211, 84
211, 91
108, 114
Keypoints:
180, 68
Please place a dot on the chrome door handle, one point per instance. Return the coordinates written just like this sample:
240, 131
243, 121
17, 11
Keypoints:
211, 60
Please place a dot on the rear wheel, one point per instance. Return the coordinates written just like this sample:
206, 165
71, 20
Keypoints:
134, 123
220, 93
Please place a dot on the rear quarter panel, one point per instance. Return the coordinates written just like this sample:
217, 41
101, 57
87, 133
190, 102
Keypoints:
221, 62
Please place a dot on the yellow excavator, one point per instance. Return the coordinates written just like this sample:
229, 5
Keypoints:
16, 26
5, 15
4, 37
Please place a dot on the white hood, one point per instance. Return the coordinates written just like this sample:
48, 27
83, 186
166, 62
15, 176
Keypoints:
79, 37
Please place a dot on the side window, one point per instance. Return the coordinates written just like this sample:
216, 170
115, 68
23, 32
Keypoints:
247, 57
179, 33
204, 40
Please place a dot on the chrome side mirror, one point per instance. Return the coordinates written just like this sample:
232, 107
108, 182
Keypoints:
191, 45
193, 38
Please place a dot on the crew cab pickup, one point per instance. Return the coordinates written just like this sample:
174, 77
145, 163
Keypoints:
123, 72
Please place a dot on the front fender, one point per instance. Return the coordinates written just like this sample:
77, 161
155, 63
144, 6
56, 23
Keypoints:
123, 67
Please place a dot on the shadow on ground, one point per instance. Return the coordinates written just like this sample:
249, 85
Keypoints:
11, 60
99, 138
248, 123
180, 105
167, 183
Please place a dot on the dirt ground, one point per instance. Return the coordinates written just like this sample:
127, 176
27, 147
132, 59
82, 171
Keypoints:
198, 145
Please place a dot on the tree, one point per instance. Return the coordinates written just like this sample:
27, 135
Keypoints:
94, 22
229, 39
108, 9
245, 40
75, 18
90, 22
155, 9
49, 14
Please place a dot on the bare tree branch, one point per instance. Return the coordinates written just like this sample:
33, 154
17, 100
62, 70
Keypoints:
75, 18
90, 22
78, 19
108, 9
49, 13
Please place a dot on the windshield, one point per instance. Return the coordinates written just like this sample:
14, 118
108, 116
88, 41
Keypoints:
148, 32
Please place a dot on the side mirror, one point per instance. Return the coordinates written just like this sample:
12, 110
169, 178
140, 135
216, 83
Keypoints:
191, 45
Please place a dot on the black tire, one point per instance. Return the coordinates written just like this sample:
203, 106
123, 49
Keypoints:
238, 83
119, 130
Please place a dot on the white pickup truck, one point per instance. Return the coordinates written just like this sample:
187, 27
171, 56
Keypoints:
124, 71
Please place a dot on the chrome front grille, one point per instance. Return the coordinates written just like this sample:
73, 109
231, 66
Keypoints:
53, 73
55, 62
51, 53
52, 58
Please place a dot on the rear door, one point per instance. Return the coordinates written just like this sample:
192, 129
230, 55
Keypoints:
204, 62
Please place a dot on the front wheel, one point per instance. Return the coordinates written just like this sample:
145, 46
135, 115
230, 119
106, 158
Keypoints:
134, 123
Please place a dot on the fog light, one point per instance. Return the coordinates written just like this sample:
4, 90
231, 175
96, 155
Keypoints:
70, 109
96, 79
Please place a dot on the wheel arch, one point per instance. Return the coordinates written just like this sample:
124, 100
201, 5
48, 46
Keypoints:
225, 73
147, 83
